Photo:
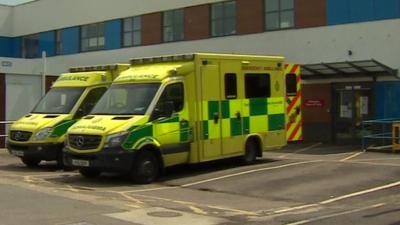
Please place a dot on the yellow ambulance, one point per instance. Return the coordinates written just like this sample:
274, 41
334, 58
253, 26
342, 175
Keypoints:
40, 134
182, 109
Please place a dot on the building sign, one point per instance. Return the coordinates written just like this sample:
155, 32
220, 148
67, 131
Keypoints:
317, 103
6, 64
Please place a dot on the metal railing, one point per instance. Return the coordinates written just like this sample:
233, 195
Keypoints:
378, 134
2, 123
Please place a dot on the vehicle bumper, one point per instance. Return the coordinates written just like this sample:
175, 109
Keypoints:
108, 160
47, 152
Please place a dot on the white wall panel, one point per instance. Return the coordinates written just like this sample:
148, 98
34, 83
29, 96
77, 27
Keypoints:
5, 21
22, 94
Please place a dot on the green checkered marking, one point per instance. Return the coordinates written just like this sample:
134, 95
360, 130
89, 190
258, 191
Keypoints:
276, 122
246, 125
236, 127
213, 107
225, 109
205, 129
185, 131
258, 107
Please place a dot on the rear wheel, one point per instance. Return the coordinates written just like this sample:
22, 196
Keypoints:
31, 162
145, 168
250, 154
89, 173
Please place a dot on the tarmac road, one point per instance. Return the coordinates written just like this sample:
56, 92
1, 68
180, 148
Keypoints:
302, 184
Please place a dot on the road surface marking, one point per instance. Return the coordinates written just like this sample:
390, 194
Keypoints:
361, 192
352, 156
295, 208
248, 172
198, 210
150, 189
336, 214
301, 150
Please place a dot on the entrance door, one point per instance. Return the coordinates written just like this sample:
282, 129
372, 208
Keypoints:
210, 113
353, 105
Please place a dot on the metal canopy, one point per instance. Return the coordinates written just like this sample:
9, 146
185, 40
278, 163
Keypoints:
346, 69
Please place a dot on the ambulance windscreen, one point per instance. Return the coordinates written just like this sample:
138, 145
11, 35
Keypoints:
126, 99
58, 101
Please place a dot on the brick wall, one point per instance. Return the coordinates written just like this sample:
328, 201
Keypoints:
250, 16
310, 13
197, 22
151, 29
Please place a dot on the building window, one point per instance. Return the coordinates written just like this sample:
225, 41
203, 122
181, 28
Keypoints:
30, 46
92, 37
132, 31
279, 14
257, 85
230, 86
58, 42
223, 18
173, 23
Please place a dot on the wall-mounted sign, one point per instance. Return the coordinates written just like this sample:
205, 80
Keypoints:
6, 64
318, 103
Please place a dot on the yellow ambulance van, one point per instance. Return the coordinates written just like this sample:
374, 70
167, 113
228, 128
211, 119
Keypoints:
40, 134
182, 109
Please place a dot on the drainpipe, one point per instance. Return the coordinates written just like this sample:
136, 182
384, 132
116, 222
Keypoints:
44, 58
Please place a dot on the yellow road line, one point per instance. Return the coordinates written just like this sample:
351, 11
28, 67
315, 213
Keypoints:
337, 214
361, 192
352, 156
248, 172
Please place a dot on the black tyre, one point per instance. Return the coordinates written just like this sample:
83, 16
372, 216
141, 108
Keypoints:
250, 154
89, 172
31, 162
145, 168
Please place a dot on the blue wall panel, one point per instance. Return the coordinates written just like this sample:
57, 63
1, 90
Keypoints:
361, 10
70, 40
10, 47
47, 43
113, 34
387, 101
338, 11
16, 47
387, 9
5, 46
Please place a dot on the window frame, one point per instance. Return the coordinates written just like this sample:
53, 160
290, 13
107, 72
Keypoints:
223, 19
279, 13
230, 96
132, 32
291, 93
99, 27
34, 50
246, 92
58, 42
175, 25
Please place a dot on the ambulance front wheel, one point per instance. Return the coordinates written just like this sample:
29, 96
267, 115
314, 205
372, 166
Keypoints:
145, 167
251, 151
30, 162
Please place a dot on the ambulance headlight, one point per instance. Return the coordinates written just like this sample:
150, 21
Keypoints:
115, 140
43, 134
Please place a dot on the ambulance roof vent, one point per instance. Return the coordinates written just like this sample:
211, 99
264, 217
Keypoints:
160, 59
94, 68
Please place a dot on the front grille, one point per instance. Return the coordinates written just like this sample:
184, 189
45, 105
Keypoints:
84, 142
20, 135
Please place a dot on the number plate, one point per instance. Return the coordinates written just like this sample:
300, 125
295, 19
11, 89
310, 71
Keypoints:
78, 162
17, 153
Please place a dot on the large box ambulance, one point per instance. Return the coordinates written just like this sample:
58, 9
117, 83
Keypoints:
182, 109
